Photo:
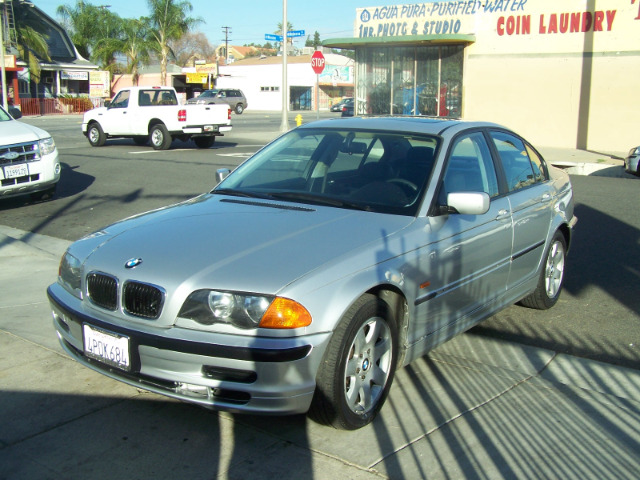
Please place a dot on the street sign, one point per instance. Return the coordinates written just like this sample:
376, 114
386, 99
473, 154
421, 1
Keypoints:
271, 37
317, 62
295, 33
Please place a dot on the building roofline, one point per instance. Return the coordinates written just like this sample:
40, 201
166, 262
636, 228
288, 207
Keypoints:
353, 42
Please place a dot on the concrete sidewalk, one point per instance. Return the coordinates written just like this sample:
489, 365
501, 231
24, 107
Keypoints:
474, 408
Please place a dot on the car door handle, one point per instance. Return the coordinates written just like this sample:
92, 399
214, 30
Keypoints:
546, 197
502, 214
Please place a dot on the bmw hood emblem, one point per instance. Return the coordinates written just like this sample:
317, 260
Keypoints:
133, 262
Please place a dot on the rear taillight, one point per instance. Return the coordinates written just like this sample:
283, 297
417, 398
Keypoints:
182, 115
229, 114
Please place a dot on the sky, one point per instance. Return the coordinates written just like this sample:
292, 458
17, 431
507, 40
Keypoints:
250, 20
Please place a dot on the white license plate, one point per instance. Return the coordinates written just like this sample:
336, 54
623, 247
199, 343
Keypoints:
107, 347
13, 171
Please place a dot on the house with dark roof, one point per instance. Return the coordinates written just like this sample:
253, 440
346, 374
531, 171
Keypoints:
66, 73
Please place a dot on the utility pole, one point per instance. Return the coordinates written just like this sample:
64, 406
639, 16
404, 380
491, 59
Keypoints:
226, 30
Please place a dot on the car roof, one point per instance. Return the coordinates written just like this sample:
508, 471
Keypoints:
416, 124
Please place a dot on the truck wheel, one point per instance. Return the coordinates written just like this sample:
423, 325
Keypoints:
141, 140
358, 367
160, 137
95, 135
239, 109
204, 142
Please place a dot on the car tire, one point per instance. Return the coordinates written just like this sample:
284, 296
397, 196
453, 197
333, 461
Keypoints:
95, 135
204, 142
239, 109
160, 137
359, 364
551, 277
141, 140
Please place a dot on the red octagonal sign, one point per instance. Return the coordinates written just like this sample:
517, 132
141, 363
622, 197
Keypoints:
317, 62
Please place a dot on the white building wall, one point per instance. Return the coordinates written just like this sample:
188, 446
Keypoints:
262, 83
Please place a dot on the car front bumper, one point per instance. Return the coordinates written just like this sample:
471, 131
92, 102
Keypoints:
631, 164
223, 372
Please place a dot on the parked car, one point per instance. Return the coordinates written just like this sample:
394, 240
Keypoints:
28, 158
342, 250
347, 108
231, 96
632, 162
337, 107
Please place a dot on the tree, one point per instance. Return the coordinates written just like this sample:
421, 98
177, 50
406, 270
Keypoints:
169, 21
32, 45
284, 34
315, 43
134, 42
192, 46
90, 25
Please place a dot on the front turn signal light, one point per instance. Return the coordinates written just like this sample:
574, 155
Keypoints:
285, 313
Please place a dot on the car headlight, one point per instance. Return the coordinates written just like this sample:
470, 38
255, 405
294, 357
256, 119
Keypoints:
244, 310
634, 151
70, 274
47, 146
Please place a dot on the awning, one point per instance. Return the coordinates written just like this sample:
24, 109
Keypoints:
406, 40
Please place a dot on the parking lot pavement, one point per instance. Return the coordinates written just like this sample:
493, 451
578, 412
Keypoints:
474, 407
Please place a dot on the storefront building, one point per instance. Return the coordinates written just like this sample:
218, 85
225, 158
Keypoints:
563, 74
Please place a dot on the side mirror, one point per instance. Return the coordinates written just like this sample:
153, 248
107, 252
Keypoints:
221, 174
468, 203
15, 112
107, 103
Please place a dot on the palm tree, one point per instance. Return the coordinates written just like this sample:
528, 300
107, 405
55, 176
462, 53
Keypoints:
133, 42
169, 21
31, 45
90, 25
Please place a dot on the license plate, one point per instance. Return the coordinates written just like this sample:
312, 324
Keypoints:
13, 171
107, 347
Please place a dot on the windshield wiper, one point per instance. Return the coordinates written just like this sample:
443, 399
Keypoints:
239, 193
318, 200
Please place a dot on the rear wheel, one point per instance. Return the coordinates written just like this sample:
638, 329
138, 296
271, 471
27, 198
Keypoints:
239, 109
204, 142
160, 137
95, 135
358, 368
551, 278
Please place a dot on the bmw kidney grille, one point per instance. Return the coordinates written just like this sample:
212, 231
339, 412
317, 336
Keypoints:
139, 299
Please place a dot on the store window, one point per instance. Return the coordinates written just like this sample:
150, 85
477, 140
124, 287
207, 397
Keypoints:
410, 80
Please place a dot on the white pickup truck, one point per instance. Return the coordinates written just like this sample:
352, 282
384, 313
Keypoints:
153, 114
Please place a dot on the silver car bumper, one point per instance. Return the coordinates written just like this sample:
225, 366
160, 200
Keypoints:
243, 374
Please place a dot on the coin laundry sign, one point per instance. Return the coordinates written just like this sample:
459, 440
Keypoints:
505, 25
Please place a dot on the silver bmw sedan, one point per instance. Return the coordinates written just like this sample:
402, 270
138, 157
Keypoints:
341, 251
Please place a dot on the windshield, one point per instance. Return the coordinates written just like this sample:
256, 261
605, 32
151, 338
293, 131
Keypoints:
209, 93
367, 170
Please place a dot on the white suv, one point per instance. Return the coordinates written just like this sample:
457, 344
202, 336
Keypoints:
28, 159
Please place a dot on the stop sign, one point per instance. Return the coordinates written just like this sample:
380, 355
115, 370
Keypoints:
317, 62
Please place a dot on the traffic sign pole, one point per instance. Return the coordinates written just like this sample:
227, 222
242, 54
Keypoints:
317, 63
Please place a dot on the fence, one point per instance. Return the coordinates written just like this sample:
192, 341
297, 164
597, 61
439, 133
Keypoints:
58, 106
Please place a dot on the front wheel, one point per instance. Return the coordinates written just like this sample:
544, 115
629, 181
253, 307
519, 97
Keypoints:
358, 368
160, 137
204, 142
551, 278
95, 135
